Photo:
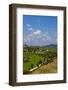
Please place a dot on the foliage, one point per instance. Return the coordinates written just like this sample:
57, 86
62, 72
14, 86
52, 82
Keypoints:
33, 56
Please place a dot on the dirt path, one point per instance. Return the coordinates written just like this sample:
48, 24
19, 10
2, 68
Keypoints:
34, 68
49, 68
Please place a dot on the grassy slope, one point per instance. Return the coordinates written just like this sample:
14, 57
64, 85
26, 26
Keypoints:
34, 59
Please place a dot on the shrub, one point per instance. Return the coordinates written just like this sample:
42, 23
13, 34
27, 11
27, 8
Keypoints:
37, 65
26, 72
31, 65
40, 62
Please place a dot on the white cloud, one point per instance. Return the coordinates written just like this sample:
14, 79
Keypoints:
31, 29
28, 37
38, 37
34, 35
28, 25
37, 32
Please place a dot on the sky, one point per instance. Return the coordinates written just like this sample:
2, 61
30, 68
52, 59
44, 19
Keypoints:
39, 30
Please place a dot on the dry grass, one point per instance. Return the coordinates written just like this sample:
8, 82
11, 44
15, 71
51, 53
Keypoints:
49, 68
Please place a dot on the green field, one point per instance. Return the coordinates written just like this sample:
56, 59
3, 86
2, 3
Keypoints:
32, 57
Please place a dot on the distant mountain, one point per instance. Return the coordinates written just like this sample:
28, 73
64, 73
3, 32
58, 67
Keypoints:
47, 46
51, 46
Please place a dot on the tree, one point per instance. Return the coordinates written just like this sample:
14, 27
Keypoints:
40, 62
44, 60
29, 68
31, 65
26, 59
37, 65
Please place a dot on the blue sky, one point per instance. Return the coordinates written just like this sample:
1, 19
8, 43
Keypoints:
40, 30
